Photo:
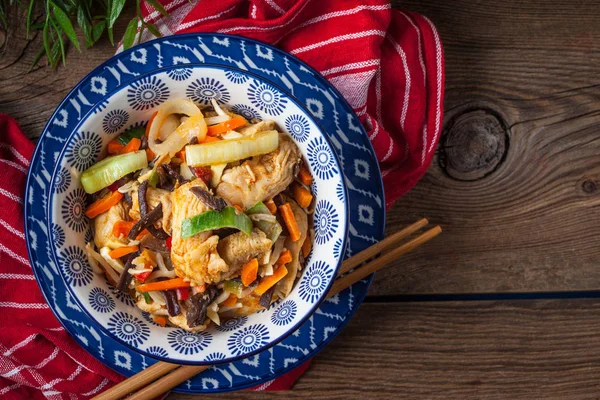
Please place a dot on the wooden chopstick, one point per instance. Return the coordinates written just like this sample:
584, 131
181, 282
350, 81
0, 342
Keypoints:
182, 373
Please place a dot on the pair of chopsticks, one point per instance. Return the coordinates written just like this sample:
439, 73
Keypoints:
168, 379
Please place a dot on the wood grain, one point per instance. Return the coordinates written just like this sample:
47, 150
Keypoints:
466, 350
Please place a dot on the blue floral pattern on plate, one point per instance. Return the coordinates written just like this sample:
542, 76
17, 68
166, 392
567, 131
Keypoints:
114, 120
351, 146
285, 313
186, 342
266, 98
204, 89
75, 268
128, 328
84, 150
326, 221
248, 339
148, 93
232, 324
298, 127
73, 209
101, 301
316, 283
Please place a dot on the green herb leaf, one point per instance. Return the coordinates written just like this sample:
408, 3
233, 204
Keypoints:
158, 7
29, 12
37, 58
130, 32
85, 26
46, 37
60, 43
154, 30
129, 134
65, 23
97, 30
115, 11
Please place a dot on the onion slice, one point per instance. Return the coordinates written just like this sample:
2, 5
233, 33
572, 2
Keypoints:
194, 126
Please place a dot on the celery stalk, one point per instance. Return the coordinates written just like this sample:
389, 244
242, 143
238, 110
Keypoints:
111, 169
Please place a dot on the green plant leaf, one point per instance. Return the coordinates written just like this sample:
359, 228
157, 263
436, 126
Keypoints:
97, 31
116, 6
55, 54
65, 23
85, 26
154, 30
37, 58
29, 12
158, 7
130, 32
60, 42
46, 37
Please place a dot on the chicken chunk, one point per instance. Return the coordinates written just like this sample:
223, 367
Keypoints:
154, 197
284, 286
103, 227
239, 248
195, 258
261, 177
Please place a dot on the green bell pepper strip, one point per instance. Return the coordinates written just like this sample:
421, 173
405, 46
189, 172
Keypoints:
129, 134
147, 297
234, 287
271, 228
228, 217
111, 169
258, 208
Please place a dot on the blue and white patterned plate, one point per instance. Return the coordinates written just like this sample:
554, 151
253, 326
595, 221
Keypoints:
133, 105
351, 144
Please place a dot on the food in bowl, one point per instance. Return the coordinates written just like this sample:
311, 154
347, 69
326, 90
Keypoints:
201, 216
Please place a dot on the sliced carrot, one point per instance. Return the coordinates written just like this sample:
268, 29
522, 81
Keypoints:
271, 206
122, 228
150, 123
240, 209
302, 195
290, 221
231, 301
305, 176
180, 154
150, 154
306, 247
270, 281
122, 251
209, 139
249, 272
223, 127
201, 288
114, 147
159, 319
103, 204
284, 258
133, 145
163, 285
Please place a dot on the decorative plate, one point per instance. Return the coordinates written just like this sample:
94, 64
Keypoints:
351, 144
132, 105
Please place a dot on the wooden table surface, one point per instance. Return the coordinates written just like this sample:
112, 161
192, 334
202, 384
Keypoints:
505, 304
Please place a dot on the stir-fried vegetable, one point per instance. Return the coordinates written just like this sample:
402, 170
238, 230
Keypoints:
304, 175
196, 313
306, 246
163, 285
230, 302
225, 151
217, 173
290, 221
133, 145
302, 195
271, 206
233, 286
122, 251
258, 208
133, 133
229, 125
104, 173
249, 272
159, 319
284, 258
194, 126
103, 204
147, 298
229, 217
269, 281
262, 218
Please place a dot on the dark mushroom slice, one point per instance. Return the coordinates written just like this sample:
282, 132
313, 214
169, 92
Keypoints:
170, 171
154, 244
127, 199
173, 307
159, 233
194, 140
163, 180
125, 277
215, 202
146, 221
196, 313
265, 299
144, 144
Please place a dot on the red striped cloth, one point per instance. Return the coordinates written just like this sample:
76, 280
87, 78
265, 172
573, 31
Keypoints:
389, 66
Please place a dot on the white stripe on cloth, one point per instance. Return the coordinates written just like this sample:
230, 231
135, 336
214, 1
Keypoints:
342, 13
155, 14
376, 131
253, 12
197, 21
354, 65
337, 39
14, 151
97, 389
39, 365
33, 306
11, 229
14, 255
70, 378
407, 79
17, 346
18, 276
264, 386
438, 58
11, 196
267, 28
14, 164
9, 388
275, 6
